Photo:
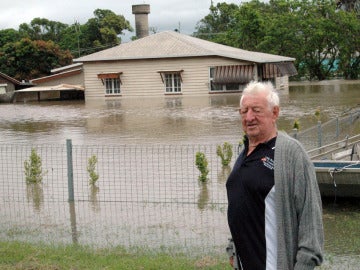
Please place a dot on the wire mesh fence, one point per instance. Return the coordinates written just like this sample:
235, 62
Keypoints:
333, 130
146, 196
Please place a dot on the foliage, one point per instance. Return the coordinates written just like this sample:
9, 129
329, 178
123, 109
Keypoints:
8, 36
225, 153
37, 48
296, 124
202, 165
103, 30
317, 114
33, 168
91, 169
43, 29
323, 40
214, 25
28, 59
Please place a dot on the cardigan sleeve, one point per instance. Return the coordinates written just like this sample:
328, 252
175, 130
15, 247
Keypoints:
309, 214
298, 203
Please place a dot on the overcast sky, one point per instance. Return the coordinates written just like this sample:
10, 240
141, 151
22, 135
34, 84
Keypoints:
164, 14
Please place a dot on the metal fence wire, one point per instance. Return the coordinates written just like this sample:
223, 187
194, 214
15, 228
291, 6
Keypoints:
333, 130
147, 196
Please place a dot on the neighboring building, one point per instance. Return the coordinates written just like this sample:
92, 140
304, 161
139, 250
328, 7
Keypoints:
65, 83
8, 85
169, 63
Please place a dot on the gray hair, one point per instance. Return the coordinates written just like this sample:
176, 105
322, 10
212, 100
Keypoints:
267, 88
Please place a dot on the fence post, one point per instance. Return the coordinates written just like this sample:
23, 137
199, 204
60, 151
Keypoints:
319, 134
70, 170
295, 132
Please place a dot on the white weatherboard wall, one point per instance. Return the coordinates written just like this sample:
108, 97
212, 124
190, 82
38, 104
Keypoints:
141, 77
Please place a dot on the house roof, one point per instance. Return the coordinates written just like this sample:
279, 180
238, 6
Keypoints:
10, 79
59, 75
60, 87
170, 44
61, 69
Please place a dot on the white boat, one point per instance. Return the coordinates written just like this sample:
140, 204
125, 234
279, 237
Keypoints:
337, 167
338, 178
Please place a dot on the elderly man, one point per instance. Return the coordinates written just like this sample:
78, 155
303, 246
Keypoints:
274, 211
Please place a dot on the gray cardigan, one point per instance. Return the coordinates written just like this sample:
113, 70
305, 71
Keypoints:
298, 207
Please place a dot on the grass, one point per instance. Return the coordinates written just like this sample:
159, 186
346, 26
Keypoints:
25, 256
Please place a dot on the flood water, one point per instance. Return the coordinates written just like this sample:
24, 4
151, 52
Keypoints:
163, 120
170, 121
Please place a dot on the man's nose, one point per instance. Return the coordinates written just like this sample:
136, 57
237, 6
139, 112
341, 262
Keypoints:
249, 115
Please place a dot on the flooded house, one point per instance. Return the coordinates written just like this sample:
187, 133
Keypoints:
171, 63
65, 83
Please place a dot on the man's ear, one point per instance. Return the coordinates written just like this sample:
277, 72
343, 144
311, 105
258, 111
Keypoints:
276, 111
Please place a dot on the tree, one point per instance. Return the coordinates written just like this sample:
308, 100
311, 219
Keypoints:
103, 30
215, 25
246, 30
349, 44
43, 29
8, 35
323, 40
28, 59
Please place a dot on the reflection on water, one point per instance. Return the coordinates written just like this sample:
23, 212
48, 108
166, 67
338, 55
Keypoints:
203, 196
35, 194
223, 174
93, 198
74, 230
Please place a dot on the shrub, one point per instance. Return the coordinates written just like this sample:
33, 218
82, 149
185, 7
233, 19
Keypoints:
91, 168
225, 153
202, 164
296, 124
33, 168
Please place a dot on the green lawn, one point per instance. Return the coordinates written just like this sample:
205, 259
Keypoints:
16, 255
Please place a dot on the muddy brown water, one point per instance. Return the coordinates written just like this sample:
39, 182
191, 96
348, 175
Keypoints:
198, 227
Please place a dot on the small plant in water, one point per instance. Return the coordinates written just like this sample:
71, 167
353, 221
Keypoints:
33, 168
202, 164
225, 153
318, 114
91, 168
296, 124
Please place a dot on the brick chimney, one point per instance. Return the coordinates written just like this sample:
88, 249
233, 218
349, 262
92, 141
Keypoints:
141, 19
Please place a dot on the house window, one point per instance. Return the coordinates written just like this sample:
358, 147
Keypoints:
230, 78
173, 82
111, 81
112, 86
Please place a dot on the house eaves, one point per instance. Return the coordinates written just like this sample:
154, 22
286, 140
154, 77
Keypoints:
57, 76
10, 79
171, 44
64, 68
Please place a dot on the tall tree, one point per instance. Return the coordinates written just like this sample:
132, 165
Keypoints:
8, 35
28, 59
215, 25
324, 41
247, 28
103, 30
43, 29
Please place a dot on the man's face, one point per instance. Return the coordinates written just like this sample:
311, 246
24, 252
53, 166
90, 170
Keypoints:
257, 118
